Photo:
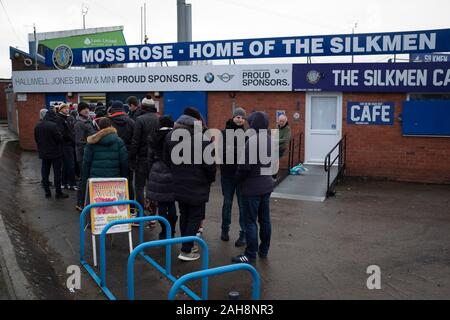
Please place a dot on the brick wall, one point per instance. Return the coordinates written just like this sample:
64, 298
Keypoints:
28, 118
220, 109
382, 151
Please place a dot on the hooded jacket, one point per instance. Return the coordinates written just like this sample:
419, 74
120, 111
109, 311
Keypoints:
124, 126
83, 129
285, 137
160, 181
191, 182
105, 156
48, 138
253, 179
230, 147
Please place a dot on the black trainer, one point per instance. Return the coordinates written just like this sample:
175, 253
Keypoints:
242, 259
224, 236
61, 196
48, 195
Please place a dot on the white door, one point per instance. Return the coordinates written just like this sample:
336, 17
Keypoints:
323, 125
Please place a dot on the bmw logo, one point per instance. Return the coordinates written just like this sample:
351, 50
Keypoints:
62, 57
209, 77
277, 71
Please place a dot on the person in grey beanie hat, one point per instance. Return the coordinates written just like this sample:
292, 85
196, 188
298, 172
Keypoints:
228, 172
239, 112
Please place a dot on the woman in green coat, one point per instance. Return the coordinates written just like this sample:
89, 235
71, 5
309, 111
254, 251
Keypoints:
105, 154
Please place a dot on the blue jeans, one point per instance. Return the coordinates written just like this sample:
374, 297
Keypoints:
229, 187
169, 211
190, 219
257, 209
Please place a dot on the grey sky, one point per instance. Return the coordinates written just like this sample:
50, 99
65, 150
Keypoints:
220, 19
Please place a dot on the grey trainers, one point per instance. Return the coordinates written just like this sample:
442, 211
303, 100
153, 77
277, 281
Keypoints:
188, 256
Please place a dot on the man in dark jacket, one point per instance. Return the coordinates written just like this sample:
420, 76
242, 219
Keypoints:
83, 129
49, 141
160, 181
67, 130
125, 129
105, 155
228, 172
191, 181
256, 185
133, 104
145, 124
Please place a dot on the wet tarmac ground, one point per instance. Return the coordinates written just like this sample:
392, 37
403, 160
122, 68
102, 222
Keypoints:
318, 250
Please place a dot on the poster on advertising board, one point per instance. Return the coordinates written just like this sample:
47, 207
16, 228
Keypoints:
109, 190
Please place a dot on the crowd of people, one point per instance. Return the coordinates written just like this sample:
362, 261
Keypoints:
109, 142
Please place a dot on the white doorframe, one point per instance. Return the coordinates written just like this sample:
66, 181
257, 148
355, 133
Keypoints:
308, 144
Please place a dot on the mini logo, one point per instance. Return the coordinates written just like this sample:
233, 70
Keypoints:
209, 77
62, 57
87, 41
277, 71
313, 76
226, 77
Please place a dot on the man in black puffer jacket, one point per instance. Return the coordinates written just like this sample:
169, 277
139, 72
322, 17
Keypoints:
145, 124
50, 142
125, 129
160, 181
191, 182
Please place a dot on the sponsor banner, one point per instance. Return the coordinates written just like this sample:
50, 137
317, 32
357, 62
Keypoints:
435, 57
329, 45
370, 113
372, 77
182, 78
109, 190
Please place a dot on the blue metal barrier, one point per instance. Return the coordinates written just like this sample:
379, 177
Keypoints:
204, 274
159, 243
126, 221
86, 210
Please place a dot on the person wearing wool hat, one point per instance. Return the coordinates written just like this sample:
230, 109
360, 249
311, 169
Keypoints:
145, 124
66, 128
191, 182
228, 172
83, 128
125, 129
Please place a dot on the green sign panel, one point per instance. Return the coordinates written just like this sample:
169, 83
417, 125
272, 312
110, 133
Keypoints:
103, 39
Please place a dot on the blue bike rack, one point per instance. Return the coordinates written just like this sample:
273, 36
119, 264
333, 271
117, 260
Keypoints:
101, 281
167, 242
217, 271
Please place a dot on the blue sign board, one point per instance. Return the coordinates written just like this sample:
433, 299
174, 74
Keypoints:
285, 47
372, 77
432, 57
370, 113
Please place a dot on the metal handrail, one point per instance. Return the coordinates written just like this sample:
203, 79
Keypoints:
341, 157
217, 271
